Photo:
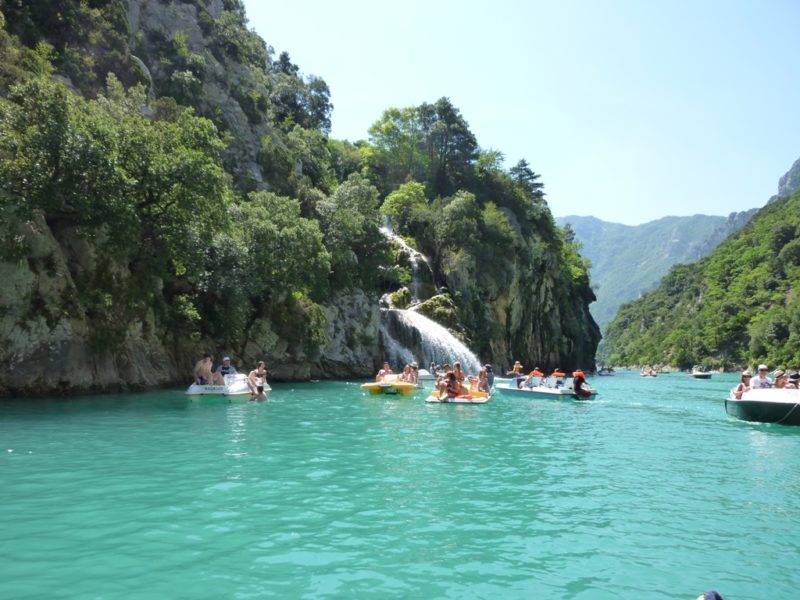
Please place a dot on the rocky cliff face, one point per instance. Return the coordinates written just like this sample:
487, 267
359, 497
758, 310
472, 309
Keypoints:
790, 182
217, 83
49, 345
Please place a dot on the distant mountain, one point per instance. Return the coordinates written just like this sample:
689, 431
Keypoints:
739, 305
629, 260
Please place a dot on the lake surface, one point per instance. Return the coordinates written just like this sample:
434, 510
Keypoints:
649, 491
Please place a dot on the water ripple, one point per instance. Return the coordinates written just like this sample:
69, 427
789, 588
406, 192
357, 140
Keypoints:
323, 491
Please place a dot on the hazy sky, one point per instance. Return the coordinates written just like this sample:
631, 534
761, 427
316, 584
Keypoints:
629, 110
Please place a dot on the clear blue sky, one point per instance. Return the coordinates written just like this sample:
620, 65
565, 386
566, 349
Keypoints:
629, 109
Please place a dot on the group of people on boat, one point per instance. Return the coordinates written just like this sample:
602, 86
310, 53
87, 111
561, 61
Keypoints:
452, 383
205, 375
557, 379
409, 374
781, 379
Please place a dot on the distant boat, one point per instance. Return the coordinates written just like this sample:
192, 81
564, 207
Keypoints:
606, 371
699, 372
648, 371
766, 405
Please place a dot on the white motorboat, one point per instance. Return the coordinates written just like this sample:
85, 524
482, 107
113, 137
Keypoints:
699, 372
766, 405
236, 385
543, 392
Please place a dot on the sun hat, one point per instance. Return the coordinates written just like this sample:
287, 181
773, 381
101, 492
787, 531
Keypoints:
747, 373
779, 373
794, 376
763, 367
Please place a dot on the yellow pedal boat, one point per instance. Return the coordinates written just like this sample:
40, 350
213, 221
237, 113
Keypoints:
392, 386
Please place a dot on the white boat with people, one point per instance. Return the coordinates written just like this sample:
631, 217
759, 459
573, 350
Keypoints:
554, 387
765, 405
700, 372
236, 386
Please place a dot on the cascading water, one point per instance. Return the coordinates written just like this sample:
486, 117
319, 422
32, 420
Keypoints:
409, 336
421, 272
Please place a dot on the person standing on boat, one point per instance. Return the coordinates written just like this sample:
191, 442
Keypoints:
489, 374
761, 381
386, 370
516, 370
256, 380
226, 368
202, 370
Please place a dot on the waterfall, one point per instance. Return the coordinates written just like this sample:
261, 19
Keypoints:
421, 272
408, 336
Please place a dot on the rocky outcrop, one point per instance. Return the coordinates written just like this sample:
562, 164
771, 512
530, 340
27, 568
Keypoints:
47, 342
50, 345
790, 182
213, 80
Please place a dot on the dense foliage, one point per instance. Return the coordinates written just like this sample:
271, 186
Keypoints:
737, 306
191, 173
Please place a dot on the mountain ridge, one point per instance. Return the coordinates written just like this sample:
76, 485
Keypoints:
629, 260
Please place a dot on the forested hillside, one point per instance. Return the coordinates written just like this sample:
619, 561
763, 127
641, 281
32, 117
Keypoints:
737, 306
629, 260
168, 186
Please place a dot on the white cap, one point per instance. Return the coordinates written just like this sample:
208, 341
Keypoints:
762, 367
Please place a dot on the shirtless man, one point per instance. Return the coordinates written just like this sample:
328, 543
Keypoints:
255, 380
202, 370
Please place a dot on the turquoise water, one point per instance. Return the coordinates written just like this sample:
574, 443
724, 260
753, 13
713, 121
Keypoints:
649, 491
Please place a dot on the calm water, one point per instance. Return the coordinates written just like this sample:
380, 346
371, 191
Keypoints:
650, 491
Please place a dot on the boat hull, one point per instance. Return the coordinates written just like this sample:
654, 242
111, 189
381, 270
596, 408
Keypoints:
472, 398
779, 406
236, 388
394, 388
543, 393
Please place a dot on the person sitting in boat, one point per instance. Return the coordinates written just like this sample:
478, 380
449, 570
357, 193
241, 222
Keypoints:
202, 370
516, 369
781, 379
744, 384
761, 381
226, 368
794, 381
414, 377
256, 380
558, 377
460, 375
406, 375
534, 378
451, 387
386, 370
483, 381
578, 383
